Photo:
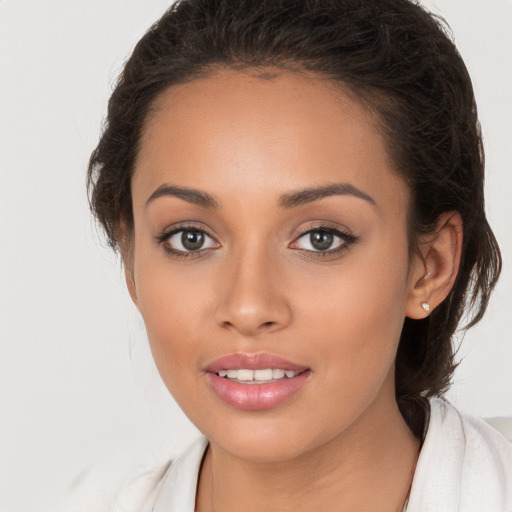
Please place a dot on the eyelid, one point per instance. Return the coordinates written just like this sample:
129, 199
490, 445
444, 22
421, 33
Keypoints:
330, 227
346, 237
169, 232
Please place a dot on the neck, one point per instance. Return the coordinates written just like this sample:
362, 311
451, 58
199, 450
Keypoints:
368, 467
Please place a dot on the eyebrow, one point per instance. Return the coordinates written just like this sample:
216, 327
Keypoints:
190, 195
314, 194
290, 200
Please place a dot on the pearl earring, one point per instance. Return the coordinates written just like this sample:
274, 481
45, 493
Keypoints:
425, 306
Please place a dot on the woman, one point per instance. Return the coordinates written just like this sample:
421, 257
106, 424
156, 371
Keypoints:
296, 189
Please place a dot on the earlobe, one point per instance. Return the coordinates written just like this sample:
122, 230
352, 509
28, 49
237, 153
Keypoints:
130, 283
125, 238
435, 273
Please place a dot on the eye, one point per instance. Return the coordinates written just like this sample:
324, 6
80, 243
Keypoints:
323, 239
188, 240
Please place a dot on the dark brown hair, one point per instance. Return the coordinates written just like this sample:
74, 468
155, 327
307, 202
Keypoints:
398, 60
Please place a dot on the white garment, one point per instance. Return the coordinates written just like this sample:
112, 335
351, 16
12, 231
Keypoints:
464, 466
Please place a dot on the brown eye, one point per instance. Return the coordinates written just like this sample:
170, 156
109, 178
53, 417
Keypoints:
189, 240
321, 240
192, 240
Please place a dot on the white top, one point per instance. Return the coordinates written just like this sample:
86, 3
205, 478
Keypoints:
464, 466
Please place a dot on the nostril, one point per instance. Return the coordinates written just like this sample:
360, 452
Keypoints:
254, 327
251, 318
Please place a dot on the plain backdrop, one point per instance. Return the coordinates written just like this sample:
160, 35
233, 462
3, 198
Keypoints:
76, 377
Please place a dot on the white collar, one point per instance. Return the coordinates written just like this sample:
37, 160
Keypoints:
464, 465
178, 490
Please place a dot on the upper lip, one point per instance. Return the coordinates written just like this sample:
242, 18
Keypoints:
258, 361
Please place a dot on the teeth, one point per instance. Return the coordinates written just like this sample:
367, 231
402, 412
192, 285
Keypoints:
265, 375
245, 375
277, 374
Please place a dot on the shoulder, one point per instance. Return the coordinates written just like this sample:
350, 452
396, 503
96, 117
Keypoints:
119, 482
164, 487
139, 481
464, 464
487, 463
483, 446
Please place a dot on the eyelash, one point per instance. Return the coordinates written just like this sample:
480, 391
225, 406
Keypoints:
347, 240
163, 238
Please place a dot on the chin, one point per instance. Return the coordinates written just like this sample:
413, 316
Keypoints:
264, 439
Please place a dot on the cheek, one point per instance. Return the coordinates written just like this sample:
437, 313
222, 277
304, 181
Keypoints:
357, 313
171, 316
170, 306
171, 325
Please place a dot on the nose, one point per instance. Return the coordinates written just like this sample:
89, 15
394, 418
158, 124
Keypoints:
252, 297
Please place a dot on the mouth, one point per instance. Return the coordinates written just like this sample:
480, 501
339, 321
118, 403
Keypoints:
255, 381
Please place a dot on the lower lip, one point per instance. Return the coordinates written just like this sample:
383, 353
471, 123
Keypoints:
256, 397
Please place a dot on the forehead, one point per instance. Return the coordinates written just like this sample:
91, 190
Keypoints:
273, 131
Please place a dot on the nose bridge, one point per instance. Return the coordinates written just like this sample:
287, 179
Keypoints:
253, 298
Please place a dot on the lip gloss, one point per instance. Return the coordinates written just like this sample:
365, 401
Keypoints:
253, 396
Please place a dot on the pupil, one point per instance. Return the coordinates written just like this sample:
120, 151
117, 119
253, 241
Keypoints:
321, 240
192, 240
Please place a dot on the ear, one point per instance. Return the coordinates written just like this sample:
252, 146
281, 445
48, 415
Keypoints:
130, 283
125, 237
433, 273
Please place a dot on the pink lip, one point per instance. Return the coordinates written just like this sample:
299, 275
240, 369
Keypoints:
260, 361
252, 397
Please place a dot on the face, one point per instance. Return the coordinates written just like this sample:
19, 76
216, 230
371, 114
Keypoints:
270, 235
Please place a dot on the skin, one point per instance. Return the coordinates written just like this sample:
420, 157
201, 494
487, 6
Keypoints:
340, 443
